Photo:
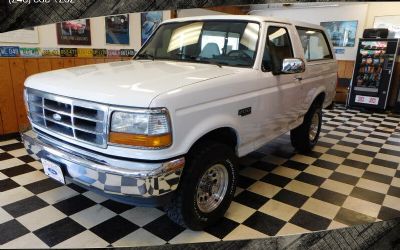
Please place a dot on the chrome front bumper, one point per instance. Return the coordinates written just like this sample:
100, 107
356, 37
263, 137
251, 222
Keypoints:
112, 175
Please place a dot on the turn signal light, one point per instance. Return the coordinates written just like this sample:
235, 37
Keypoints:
149, 141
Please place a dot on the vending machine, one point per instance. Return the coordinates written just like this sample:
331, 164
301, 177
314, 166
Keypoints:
370, 85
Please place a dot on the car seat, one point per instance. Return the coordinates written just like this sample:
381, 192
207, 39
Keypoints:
210, 50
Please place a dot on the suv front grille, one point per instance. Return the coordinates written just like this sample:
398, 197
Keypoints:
81, 120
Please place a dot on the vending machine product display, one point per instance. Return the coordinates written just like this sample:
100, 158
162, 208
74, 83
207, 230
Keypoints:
372, 74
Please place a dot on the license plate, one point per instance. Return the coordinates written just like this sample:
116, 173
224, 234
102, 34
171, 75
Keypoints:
53, 170
367, 99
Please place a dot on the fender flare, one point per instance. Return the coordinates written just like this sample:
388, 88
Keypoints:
320, 90
208, 125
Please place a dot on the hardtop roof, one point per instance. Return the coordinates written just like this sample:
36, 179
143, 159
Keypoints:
247, 18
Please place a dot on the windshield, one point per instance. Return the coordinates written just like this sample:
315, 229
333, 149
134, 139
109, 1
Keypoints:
222, 42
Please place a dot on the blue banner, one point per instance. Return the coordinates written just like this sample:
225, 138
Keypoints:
9, 51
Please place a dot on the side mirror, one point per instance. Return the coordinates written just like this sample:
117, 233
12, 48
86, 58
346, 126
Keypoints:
293, 66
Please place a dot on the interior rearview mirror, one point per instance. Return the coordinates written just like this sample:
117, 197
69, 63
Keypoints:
293, 66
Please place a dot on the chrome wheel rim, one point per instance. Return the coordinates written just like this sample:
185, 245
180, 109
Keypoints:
314, 127
212, 188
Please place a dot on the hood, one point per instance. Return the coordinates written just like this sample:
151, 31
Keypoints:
125, 83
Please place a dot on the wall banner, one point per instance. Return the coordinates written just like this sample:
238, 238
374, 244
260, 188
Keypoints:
75, 32
85, 52
9, 51
342, 33
68, 52
113, 53
339, 50
127, 52
30, 52
50, 52
149, 22
117, 29
100, 52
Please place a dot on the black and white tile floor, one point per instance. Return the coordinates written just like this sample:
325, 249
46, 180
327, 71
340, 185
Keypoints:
351, 177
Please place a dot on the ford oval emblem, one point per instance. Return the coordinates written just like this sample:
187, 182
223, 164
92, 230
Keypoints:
57, 117
52, 171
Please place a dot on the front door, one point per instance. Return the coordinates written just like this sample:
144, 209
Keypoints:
285, 88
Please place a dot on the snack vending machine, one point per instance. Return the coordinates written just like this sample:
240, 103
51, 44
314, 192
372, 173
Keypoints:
372, 74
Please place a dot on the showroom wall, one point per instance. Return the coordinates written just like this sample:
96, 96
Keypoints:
364, 13
48, 37
198, 12
381, 9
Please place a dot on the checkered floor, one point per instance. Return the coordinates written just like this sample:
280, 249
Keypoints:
351, 177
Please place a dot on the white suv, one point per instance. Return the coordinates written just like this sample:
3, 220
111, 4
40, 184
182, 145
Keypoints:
167, 127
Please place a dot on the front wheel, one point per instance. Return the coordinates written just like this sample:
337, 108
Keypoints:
305, 136
207, 187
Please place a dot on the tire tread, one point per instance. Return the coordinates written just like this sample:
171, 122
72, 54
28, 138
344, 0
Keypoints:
175, 208
299, 136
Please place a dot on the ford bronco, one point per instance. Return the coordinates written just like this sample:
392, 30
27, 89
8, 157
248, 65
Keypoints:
167, 127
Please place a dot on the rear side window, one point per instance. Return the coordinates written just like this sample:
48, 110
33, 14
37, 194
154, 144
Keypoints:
315, 44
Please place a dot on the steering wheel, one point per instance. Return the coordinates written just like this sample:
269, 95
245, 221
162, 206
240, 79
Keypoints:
240, 54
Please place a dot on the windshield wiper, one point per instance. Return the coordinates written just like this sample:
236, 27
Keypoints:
185, 56
145, 56
214, 63
242, 65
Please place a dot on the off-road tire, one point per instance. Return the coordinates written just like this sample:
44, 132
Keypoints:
183, 208
300, 136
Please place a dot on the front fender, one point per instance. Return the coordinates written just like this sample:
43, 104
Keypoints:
207, 125
312, 95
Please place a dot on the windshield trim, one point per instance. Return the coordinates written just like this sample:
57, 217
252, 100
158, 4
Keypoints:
201, 62
205, 20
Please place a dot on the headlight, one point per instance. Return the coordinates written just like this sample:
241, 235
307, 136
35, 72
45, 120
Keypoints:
150, 128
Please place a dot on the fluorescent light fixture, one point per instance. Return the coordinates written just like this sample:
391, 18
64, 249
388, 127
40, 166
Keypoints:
262, 7
277, 33
322, 6
185, 35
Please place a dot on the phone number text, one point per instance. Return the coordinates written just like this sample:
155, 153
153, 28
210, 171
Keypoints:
41, 1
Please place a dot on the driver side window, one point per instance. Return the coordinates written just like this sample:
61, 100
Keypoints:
277, 48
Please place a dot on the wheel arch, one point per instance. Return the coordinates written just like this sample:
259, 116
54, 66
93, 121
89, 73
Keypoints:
224, 134
319, 99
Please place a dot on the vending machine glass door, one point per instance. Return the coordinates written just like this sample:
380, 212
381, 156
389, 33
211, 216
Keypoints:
372, 73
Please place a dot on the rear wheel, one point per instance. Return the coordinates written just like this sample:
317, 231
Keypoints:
207, 187
305, 136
